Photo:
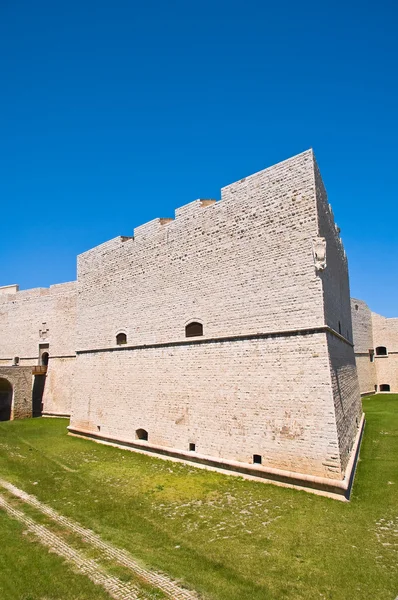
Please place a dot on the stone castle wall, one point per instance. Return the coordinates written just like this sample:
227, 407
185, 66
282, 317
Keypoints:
40, 317
243, 267
20, 379
370, 332
385, 333
364, 347
232, 399
337, 311
273, 374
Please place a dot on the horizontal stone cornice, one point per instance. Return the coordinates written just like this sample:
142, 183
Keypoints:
220, 340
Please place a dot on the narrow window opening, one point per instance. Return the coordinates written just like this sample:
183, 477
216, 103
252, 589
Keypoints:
141, 434
375, 387
371, 355
257, 460
16, 361
98, 427
44, 350
192, 447
121, 339
339, 327
381, 351
194, 329
385, 387
356, 307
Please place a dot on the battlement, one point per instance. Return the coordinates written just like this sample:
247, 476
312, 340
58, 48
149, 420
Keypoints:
16, 294
9, 289
286, 175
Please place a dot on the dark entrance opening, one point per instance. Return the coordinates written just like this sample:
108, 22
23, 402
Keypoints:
44, 359
5, 400
37, 395
385, 387
141, 434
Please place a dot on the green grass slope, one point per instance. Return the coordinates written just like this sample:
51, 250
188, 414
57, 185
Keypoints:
225, 537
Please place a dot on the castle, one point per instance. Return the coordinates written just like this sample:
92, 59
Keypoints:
223, 336
376, 349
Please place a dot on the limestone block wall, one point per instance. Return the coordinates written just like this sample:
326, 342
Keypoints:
231, 399
22, 315
41, 316
260, 379
346, 395
370, 332
385, 333
240, 265
21, 380
59, 387
335, 280
337, 314
363, 345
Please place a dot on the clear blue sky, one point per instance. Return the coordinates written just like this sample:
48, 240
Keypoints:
114, 113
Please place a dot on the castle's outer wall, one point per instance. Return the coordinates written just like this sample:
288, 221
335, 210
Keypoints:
231, 399
60, 385
346, 395
20, 379
22, 315
52, 311
241, 265
335, 281
363, 342
21, 318
336, 297
385, 333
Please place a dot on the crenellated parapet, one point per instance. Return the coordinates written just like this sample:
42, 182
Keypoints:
158, 225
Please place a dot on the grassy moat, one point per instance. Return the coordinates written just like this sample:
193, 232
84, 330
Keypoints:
222, 536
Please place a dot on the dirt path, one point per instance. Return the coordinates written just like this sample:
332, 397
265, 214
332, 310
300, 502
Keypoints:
122, 557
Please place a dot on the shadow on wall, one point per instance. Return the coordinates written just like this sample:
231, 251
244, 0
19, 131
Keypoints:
37, 395
5, 399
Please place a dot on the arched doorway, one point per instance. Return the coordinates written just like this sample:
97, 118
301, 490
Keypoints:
5, 399
44, 359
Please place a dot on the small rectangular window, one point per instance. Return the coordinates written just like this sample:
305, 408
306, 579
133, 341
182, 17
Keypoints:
192, 447
257, 459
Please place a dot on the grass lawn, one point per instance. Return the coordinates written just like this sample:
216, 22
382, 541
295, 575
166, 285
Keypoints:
225, 537
29, 572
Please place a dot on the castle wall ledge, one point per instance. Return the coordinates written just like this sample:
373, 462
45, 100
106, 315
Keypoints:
36, 357
214, 340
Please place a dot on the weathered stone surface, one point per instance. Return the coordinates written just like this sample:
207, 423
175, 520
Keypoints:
20, 379
370, 332
274, 372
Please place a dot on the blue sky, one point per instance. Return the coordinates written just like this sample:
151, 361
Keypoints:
114, 113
